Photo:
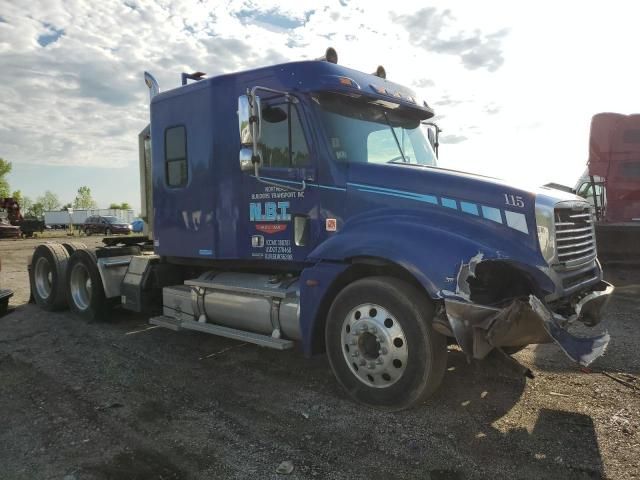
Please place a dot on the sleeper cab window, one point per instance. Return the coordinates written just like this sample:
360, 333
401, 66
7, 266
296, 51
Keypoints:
175, 156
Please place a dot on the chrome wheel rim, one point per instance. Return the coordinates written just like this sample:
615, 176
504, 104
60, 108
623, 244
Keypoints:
80, 286
43, 278
374, 345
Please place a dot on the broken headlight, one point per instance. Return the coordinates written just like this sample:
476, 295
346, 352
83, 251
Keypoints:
546, 231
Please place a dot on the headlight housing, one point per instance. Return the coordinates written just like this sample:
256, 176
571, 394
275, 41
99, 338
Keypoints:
545, 226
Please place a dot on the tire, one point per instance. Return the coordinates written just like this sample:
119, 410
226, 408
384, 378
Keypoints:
87, 232
107, 232
49, 270
4, 307
85, 291
71, 247
400, 363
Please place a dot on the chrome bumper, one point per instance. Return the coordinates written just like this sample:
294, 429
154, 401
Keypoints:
479, 328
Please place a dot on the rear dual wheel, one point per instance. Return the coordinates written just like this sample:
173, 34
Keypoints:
85, 292
48, 276
381, 344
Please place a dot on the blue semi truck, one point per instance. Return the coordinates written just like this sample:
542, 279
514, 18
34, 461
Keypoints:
301, 204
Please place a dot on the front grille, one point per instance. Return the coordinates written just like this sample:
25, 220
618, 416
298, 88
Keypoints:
579, 279
575, 237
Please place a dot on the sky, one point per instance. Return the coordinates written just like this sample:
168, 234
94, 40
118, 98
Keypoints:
513, 84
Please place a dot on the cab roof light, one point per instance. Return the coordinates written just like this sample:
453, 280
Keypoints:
380, 72
348, 82
380, 90
192, 76
330, 55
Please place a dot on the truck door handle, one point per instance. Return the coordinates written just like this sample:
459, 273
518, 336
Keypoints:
308, 174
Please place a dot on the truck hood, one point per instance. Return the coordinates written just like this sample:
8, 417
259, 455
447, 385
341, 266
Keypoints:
455, 185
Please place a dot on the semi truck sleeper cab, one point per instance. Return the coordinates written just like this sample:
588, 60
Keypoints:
302, 204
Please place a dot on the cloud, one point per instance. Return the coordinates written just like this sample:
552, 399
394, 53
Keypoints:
445, 100
452, 138
424, 83
492, 109
71, 84
431, 29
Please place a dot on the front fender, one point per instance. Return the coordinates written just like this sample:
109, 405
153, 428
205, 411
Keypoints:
433, 253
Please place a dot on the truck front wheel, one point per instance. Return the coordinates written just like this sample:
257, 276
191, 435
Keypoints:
381, 345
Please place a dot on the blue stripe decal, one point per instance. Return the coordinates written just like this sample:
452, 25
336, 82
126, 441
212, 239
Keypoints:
418, 197
328, 187
449, 203
281, 180
492, 214
513, 220
396, 193
470, 208
299, 183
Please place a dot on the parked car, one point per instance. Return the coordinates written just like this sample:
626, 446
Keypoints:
5, 295
106, 225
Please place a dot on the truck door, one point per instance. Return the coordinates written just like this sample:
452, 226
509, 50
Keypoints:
282, 222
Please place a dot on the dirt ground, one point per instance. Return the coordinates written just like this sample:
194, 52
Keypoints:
112, 400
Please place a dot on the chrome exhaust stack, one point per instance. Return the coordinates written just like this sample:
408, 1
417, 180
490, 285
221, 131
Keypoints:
154, 88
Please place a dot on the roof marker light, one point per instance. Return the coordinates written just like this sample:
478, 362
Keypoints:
377, 89
380, 72
348, 82
330, 55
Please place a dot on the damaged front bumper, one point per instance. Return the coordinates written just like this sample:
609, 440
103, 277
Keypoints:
479, 328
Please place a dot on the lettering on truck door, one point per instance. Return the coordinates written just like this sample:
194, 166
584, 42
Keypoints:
281, 222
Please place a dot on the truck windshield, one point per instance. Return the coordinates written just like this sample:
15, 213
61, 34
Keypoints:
367, 133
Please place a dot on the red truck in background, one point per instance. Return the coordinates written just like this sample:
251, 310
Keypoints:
612, 184
13, 224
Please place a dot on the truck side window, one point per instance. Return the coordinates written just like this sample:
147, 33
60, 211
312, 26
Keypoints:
175, 156
282, 140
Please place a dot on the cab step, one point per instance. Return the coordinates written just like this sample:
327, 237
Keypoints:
241, 335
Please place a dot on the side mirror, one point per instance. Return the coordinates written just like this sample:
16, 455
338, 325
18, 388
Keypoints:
433, 135
246, 159
245, 111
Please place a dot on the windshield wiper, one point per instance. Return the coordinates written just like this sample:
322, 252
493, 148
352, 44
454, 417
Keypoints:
395, 137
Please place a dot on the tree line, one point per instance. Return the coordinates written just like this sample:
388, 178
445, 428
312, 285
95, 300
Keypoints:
48, 201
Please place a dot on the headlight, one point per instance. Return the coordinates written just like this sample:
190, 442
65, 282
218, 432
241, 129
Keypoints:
546, 231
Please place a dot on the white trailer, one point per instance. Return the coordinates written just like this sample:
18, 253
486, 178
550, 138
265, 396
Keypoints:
79, 216
53, 217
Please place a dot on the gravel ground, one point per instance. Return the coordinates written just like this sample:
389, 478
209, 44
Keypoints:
112, 400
